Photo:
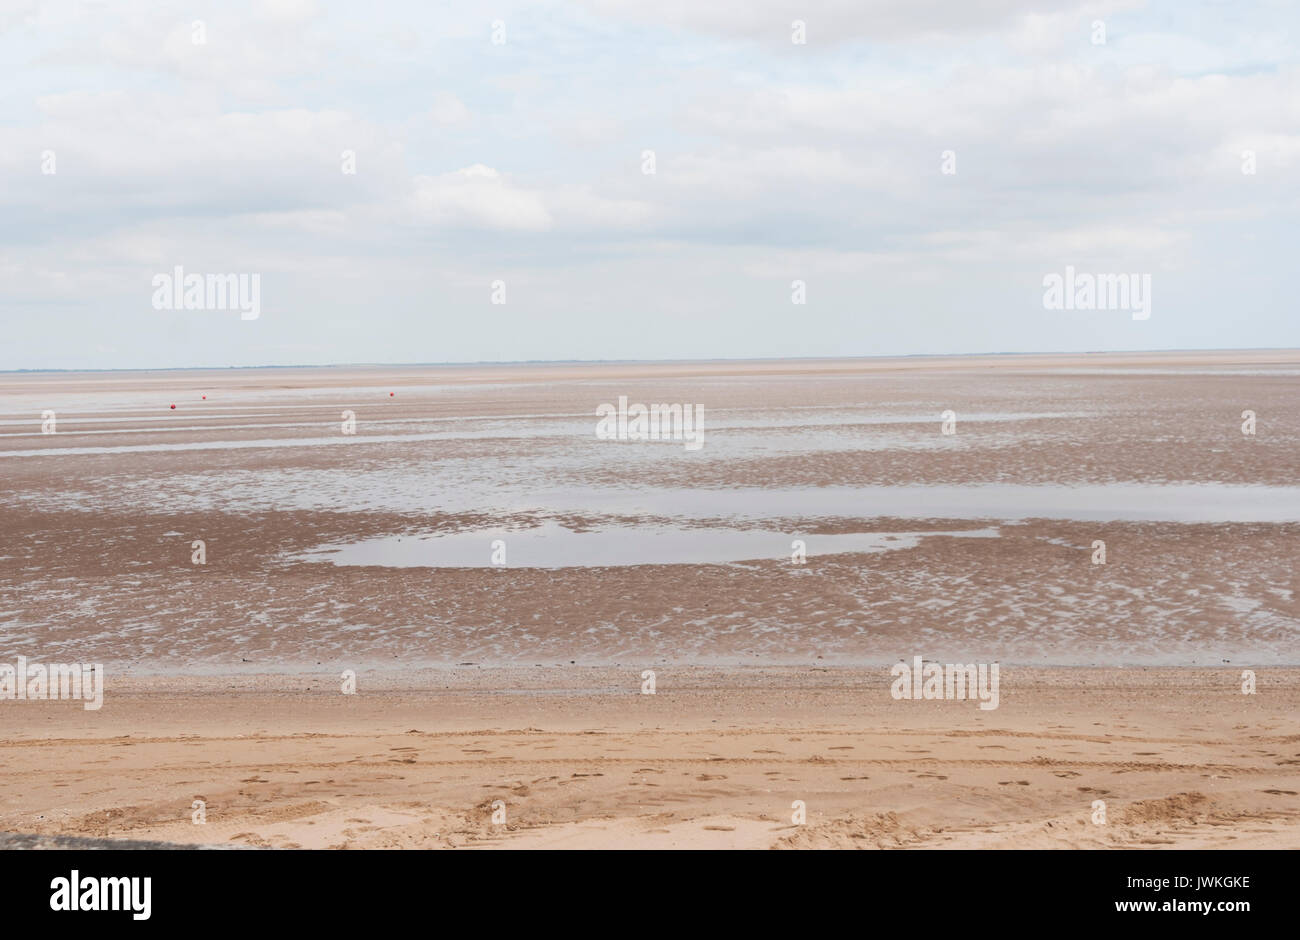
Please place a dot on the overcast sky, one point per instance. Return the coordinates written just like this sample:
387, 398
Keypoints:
522, 161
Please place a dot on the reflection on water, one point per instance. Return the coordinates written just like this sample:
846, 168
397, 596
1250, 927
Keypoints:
554, 546
1197, 502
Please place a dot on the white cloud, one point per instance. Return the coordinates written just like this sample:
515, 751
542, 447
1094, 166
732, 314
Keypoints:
834, 21
478, 197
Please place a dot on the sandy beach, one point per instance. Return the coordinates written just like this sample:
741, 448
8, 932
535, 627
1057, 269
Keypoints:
515, 673
580, 758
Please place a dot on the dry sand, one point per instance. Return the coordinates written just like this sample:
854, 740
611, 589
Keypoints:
715, 759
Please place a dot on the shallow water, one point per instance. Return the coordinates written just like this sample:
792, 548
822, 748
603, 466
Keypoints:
1199, 502
555, 546
732, 431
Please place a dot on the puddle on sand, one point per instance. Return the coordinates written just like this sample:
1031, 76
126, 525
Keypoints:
1156, 502
554, 546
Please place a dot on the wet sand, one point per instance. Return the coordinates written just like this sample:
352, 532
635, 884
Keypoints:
773, 675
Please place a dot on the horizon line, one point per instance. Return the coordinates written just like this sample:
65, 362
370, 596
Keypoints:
738, 359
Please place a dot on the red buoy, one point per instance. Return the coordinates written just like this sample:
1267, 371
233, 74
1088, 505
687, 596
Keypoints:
173, 407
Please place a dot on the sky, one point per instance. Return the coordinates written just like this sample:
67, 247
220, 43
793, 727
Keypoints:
392, 172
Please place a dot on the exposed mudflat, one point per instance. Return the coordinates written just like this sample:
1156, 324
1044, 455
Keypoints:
498, 580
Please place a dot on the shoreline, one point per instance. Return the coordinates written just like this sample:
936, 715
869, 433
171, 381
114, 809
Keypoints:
558, 370
911, 358
556, 675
